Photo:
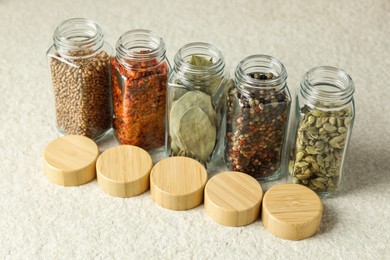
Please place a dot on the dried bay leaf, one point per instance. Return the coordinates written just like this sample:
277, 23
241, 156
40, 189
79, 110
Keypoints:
180, 106
208, 82
178, 92
190, 99
197, 133
200, 61
192, 116
174, 147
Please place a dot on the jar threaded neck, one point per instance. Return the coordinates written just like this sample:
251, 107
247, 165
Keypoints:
139, 45
78, 37
183, 68
260, 64
327, 86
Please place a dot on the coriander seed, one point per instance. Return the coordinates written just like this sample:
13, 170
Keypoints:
79, 63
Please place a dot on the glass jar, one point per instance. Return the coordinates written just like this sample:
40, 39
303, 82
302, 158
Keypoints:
140, 74
258, 108
80, 70
196, 102
324, 113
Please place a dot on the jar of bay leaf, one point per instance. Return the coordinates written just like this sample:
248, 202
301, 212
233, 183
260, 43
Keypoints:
325, 112
140, 75
258, 105
196, 102
80, 70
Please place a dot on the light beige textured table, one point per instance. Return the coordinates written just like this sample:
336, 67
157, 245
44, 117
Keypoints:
41, 220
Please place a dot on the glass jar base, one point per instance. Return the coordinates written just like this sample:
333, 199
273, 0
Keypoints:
273, 177
98, 138
161, 150
327, 195
103, 136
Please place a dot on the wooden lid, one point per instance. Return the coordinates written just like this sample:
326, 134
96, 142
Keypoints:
233, 198
177, 183
291, 211
123, 171
70, 160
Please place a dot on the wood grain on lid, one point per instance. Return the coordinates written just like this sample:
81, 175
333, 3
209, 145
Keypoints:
123, 171
233, 198
70, 160
178, 182
291, 211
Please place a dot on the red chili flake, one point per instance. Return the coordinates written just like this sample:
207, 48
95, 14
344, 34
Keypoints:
139, 93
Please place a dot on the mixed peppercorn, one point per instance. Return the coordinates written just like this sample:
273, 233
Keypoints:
256, 124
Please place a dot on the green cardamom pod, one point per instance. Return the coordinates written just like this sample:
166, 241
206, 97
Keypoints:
337, 139
329, 127
311, 120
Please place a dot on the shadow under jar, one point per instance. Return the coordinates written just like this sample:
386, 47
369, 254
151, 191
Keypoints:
325, 113
258, 105
80, 70
196, 102
140, 74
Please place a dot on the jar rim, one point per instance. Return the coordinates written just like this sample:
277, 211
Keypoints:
327, 84
202, 49
78, 34
139, 44
266, 63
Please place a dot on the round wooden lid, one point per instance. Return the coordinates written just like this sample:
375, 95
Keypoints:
291, 211
177, 183
233, 198
123, 171
70, 160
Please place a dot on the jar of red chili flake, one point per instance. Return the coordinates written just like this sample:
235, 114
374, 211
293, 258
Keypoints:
139, 75
258, 106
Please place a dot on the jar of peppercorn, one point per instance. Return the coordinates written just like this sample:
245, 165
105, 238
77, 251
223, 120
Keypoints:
258, 105
139, 75
324, 114
80, 70
196, 102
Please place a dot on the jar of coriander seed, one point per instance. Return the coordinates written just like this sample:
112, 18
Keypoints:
196, 102
325, 113
258, 105
80, 70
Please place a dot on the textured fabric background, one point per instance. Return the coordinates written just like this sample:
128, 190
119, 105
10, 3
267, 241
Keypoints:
41, 220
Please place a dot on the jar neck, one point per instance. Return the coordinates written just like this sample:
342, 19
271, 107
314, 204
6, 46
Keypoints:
189, 74
140, 48
327, 87
78, 37
263, 64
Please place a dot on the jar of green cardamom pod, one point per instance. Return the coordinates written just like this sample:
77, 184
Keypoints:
325, 113
196, 103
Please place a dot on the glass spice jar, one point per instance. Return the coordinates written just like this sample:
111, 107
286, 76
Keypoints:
140, 73
325, 113
258, 106
79, 63
196, 102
